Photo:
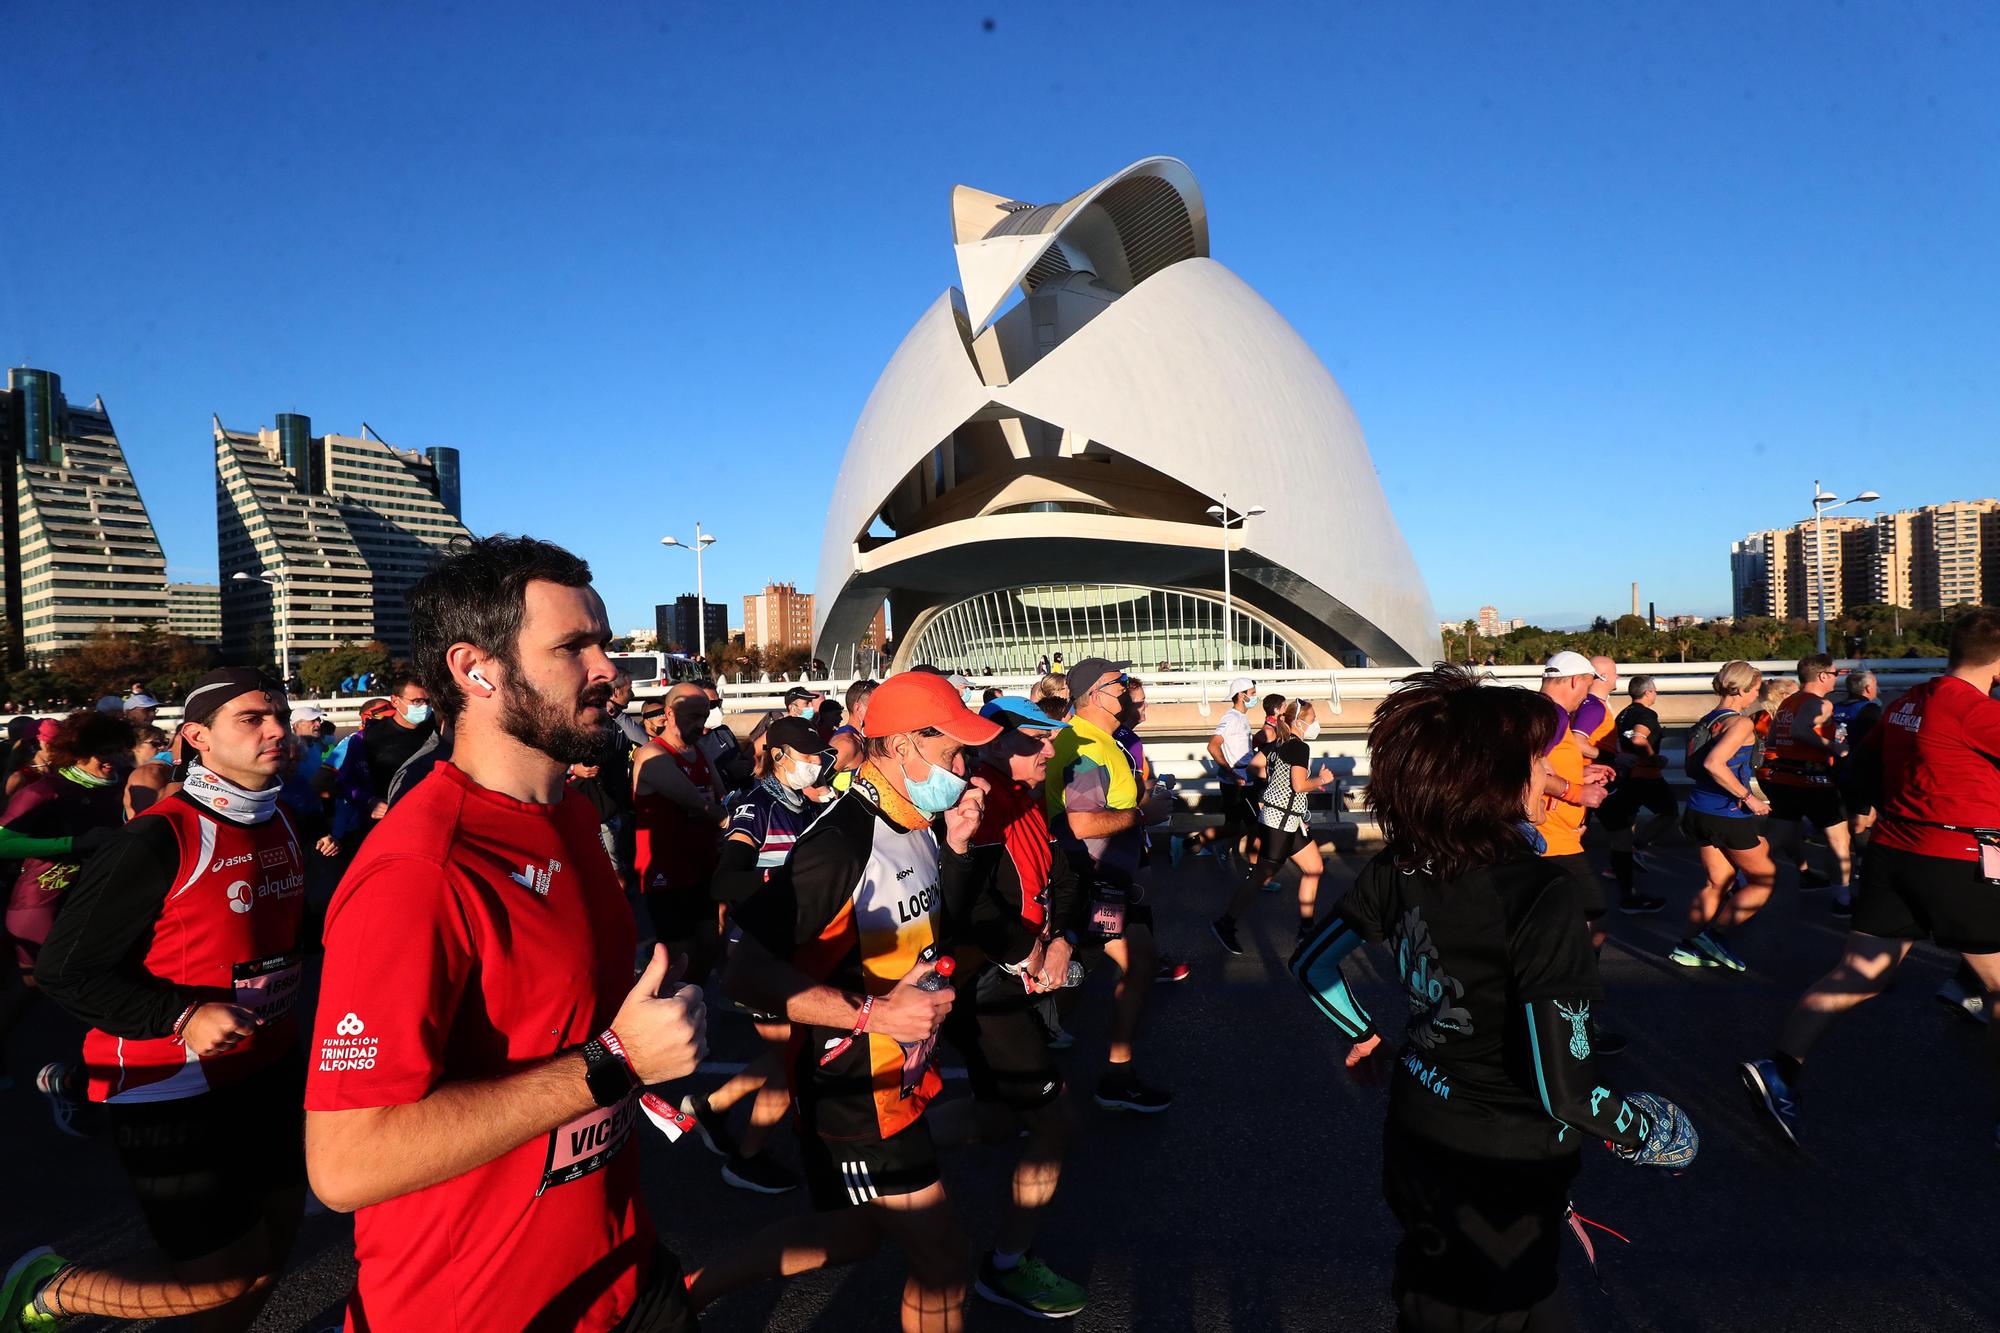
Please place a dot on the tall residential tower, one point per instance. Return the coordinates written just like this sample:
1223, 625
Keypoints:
327, 533
80, 550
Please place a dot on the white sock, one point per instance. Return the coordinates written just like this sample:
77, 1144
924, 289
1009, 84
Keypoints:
1005, 1262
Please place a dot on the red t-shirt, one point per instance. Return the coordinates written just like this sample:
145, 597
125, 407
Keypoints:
1940, 763
475, 936
676, 848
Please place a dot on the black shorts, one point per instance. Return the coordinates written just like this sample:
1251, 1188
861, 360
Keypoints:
1239, 812
1621, 809
1478, 1233
1818, 806
1725, 833
663, 1305
203, 1167
1279, 846
1858, 800
1007, 1058
1592, 886
1907, 896
849, 1172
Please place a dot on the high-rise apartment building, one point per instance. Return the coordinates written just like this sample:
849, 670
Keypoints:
80, 551
675, 622
779, 617
327, 533
194, 611
1928, 559
1489, 622
1957, 554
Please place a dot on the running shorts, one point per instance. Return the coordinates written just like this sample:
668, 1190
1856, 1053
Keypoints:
1905, 896
849, 1172
1480, 1234
1280, 846
663, 1305
1590, 885
1725, 833
1818, 806
1621, 809
1857, 800
202, 1167
1006, 1053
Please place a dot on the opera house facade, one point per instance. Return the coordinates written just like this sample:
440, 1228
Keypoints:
1038, 477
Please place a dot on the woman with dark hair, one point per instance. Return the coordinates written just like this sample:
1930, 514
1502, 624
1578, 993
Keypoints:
49, 826
763, 824
28, 760
1494, 1093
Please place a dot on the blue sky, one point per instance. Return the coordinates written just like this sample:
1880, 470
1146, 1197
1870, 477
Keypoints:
1608, 285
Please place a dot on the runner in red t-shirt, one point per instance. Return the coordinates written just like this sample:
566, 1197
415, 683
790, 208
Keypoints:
179, 945
479, 1046
1933, 867
677, 804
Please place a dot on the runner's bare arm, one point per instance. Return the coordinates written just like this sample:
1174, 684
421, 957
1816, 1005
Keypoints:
660, 776
369, 1154
1103, 823
760, 981
363, 1155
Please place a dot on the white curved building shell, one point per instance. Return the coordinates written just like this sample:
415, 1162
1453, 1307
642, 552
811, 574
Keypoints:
1085, 448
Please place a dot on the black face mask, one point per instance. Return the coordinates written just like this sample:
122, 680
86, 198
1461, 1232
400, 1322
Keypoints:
1128, 712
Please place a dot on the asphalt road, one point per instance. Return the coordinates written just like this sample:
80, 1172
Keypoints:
1254, 1203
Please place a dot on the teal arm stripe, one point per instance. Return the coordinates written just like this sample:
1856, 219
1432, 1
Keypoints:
1535, 1049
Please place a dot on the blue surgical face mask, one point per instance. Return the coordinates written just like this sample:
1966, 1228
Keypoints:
417, 714
937, 792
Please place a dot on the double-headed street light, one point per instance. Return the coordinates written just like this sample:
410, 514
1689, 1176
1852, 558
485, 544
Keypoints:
702, 541
1229, 518
1823, 501
280, 630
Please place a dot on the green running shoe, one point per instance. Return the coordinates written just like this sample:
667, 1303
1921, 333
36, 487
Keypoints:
1687, 955
1031, 1287
17, 1292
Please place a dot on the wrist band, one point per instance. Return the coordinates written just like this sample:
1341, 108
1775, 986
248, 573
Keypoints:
609, 1041
860, 1026
180, 1024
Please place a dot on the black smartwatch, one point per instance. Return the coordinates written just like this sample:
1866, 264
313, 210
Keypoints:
610, 1079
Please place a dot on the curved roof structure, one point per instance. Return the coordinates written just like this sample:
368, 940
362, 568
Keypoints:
1081, 436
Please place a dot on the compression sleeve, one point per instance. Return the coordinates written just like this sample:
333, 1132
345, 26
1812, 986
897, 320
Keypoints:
1316, 965
19, 846
1566, 1078
90, 963
737, 874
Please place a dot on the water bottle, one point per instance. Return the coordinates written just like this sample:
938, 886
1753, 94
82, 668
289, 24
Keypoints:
917, 1055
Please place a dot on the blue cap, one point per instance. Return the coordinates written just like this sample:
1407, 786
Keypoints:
1018, 710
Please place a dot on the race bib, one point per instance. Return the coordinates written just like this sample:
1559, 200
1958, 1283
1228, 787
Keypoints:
586, 1144
269, 987
1989, 859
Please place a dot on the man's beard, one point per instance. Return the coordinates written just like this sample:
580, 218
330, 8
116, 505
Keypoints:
540, 723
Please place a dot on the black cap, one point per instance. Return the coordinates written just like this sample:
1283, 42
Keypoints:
799, 692
221, 685
653, 707
795, 733
1087, 674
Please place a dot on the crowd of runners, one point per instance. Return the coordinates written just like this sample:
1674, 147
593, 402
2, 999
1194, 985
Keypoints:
538, 891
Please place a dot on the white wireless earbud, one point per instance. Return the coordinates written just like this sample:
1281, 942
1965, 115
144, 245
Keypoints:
477, 677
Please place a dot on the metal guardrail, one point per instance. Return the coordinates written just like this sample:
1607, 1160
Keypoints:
1338, 685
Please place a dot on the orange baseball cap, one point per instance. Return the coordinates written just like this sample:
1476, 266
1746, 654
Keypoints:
914, 700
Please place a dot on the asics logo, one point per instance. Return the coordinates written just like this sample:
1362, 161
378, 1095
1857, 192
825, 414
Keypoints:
241, 896
350, 1026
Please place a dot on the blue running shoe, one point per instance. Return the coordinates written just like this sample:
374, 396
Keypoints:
1715, 949
1689, 956
1767, 1085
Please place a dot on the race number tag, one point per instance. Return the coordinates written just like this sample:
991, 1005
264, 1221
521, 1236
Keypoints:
1989, 857
1107, 915
269, 987
586, 1144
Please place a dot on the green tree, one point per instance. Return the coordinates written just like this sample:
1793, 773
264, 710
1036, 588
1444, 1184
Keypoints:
321, 673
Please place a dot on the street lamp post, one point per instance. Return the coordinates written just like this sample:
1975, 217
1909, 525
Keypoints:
1229, 518
276, 583
1822, 501
702, 541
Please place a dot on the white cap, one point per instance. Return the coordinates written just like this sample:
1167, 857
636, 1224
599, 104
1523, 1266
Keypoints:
133, 701
1242, 685
1565, 664
307, 713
